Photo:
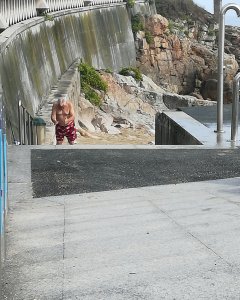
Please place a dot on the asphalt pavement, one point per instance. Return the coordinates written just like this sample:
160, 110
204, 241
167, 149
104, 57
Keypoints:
73, 171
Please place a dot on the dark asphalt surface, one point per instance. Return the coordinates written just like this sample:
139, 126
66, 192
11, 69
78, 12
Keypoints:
63, 172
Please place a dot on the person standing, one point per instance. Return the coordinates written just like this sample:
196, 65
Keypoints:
63, 118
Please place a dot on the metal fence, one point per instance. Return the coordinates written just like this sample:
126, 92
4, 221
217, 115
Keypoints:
14, 11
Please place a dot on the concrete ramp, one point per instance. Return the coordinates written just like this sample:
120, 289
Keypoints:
174, 241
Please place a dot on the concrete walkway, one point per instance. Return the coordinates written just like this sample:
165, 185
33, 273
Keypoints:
173, 241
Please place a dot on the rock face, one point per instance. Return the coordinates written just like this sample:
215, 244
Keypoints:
131, 104
232, 36
179, 64
208, 90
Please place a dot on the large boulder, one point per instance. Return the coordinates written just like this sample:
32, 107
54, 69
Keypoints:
86, 114
156, 24
208, 90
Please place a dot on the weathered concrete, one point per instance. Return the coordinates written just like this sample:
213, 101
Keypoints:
36, 52
177, 241
177, 128
194, 126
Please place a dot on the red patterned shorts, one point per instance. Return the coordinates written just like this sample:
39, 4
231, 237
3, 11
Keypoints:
68, 131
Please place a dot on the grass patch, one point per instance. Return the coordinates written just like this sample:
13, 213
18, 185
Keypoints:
134, 72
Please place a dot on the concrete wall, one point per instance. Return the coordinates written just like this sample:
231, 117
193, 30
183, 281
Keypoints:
144, 7
35, 53
169, 132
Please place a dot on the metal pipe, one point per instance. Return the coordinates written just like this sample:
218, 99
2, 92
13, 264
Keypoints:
29, 129
217, 8
235, 104
221, 37
24, 125
20, 121
5, 173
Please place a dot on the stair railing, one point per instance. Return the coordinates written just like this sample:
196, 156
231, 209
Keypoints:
235, 105
25, 126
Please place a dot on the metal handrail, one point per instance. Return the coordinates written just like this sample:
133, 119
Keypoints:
14, 11
223, 11
25, 126
235, 104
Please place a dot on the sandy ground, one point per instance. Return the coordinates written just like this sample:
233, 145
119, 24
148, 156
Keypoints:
127, 136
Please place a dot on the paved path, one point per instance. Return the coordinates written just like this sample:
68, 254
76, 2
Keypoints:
171, 241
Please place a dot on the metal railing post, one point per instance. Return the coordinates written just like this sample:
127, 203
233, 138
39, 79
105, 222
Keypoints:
221, 38
29, 129
235, 104
5, 173
24, 125
20, 121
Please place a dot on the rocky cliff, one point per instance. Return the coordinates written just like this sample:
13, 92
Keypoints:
177, 60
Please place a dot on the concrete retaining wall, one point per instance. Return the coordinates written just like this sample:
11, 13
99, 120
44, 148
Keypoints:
144, 7
170, 130
35, 53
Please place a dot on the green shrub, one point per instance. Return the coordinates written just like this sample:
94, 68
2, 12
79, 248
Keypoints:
90, 94
187, 18
108, 71
149, 37
134, 72
90, 76
130, 3
48, 17
171, 26
137, 23
91, 81
211, 32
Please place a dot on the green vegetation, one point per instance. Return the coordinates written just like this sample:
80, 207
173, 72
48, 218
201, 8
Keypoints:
130, 3
47, 17
108, 71
90, 82
149, 37
170, 26
90, 94
130, 71
137, 23
211, 32
187, 18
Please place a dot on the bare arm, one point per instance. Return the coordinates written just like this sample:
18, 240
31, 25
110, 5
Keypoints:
71, 113
54, 114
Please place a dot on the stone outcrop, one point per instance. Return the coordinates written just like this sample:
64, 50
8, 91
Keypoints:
131, 104
232, 36
208, 90
179, 64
